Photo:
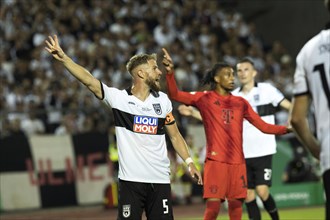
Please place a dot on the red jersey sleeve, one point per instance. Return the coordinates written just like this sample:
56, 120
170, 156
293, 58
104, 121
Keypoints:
188, 98
255, 119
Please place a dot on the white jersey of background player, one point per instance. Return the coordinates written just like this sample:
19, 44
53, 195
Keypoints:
264, 98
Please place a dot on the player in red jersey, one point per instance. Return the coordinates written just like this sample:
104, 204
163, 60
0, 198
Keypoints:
223, 114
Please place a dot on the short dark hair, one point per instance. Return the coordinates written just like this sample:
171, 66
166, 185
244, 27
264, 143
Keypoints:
246, 60
139, 59
210, 73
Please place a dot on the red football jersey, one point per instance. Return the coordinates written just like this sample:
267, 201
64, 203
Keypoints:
223, 121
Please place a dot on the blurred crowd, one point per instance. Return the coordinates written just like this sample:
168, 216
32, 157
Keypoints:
38, 96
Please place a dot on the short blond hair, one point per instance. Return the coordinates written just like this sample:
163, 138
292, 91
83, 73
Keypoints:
139, 59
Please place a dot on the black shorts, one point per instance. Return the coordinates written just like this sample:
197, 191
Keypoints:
259, 171
136, 197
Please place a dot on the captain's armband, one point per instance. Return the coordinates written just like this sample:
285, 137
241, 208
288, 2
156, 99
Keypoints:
169, 119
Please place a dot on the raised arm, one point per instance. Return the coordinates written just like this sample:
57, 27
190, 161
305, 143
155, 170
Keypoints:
79, 72
181, 148
173, 92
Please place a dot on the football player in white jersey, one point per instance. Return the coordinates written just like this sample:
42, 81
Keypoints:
258, 147
141, 114
312, 85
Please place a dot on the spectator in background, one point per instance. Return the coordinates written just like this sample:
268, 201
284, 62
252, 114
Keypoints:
85, 27
141, 113
32, 124
15, 127
68, 125
312, 84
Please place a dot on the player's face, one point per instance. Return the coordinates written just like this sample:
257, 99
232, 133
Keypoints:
245, 73
153, 75
225, 78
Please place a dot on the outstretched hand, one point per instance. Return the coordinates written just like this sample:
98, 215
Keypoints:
289, 129
53, 47
185, 110
167, 61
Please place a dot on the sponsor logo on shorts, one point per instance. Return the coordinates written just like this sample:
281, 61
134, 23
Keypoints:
126, 211
144, 124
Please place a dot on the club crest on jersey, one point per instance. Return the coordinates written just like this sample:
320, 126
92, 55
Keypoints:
256, 97
144, 124
157, 108
126, 211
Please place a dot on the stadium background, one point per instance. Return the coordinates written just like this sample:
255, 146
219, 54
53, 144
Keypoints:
76, 129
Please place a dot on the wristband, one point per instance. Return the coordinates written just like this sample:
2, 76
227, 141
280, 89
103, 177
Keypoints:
188, 161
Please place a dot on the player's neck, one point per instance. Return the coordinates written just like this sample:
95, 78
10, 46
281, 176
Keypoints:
140, 91
222, 91
246, 88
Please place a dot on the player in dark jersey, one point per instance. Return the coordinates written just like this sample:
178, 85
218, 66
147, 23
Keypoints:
141, 113
223, 114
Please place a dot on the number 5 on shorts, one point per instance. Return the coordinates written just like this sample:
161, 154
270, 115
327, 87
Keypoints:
165, 206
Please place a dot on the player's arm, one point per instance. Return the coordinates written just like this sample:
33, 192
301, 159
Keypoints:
181, 147
79, 72
266, 128
299, 122
190, 111
285, 104
173, 92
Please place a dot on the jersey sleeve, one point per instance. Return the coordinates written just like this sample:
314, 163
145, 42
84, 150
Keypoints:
188, 98
277, 95
109, 95
299, 80
254, 118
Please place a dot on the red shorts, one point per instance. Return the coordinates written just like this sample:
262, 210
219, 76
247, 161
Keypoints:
224, 181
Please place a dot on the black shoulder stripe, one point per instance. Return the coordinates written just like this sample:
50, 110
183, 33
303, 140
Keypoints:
102, 90
300, 94
171, 123
264, 110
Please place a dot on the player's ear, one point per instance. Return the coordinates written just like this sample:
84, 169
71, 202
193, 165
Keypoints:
140, 73
255, 73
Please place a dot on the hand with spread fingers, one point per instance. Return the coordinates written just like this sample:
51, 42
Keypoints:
167, 61
53, 47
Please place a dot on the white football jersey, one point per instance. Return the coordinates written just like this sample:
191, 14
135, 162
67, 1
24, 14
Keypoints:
312, 76
140, 131
264, 98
